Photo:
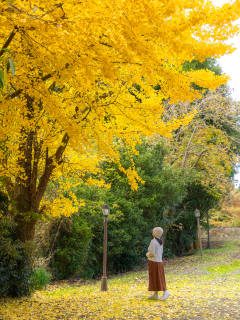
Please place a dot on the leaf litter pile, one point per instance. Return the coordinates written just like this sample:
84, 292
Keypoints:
207, 288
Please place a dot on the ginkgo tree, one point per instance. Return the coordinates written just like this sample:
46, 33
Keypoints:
74, 92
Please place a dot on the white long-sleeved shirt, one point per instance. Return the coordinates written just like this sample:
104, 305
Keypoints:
155, 251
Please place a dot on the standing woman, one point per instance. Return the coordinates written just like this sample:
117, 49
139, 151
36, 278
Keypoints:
157, 280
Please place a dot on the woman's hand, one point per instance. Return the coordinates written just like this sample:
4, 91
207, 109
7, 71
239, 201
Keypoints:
149, 255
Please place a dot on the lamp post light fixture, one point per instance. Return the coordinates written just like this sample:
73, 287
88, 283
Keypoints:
105, 211
197, 215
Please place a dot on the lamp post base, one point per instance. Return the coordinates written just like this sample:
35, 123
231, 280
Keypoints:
104, 284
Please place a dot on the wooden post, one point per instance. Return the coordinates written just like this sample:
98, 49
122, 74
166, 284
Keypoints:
196, 244
199, 235
208, 242
104, 277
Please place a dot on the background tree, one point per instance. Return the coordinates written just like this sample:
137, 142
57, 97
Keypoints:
209, 143
183, 233
163, 185
207, 148
228, 212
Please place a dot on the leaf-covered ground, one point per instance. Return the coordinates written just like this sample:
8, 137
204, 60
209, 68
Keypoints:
207, 288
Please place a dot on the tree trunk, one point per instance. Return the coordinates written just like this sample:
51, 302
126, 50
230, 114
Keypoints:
25, 229
27, 192
27, 189
165, 231
191, 246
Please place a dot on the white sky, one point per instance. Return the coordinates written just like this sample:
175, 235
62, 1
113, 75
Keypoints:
231, 65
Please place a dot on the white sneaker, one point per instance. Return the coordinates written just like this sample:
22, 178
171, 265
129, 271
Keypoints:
166, 294
154, 296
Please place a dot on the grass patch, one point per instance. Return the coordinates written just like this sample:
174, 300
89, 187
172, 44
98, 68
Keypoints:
227, 246
225, 268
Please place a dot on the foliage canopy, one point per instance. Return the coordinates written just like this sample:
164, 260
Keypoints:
74, 89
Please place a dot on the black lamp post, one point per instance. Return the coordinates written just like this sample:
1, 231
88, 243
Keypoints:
105, 211
197, 215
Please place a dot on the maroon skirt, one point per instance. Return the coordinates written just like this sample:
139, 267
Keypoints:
157, 280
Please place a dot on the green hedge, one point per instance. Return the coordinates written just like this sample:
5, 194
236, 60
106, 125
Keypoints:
127, 236
15, 263
71, 246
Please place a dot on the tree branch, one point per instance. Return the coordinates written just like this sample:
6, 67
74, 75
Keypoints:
9, 40
198, 158
51, 163
9, 187
36, 149
19, 91
58, 229
233, 139
186, 152
47, 76
166, 229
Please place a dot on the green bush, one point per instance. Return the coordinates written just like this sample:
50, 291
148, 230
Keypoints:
15, 268
15, 257
128, 233
71, 246
41, 278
